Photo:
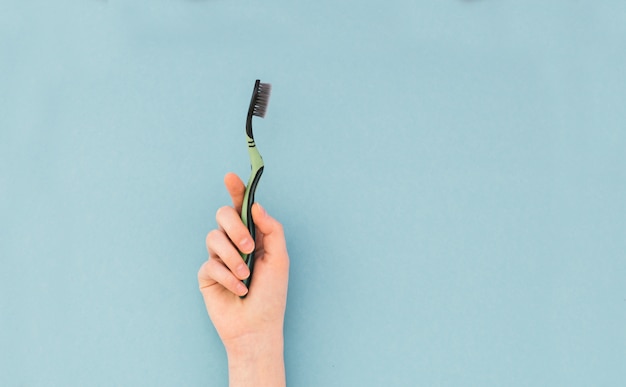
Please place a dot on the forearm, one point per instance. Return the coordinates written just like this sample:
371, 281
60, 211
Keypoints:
260, 363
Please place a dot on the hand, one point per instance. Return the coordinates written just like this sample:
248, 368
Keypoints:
250, 328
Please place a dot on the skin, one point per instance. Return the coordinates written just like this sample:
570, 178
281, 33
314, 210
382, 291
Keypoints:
250, 328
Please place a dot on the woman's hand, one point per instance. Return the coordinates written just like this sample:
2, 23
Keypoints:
250, 328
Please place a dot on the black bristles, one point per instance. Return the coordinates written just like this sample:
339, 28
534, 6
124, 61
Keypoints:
262, 99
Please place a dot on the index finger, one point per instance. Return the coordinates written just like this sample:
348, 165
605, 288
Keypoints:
236, 188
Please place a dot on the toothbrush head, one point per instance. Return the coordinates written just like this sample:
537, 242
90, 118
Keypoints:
261, 98
258, 103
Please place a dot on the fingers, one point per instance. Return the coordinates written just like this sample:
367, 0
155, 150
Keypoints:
213, 272
225, 266
220, 246
236, 189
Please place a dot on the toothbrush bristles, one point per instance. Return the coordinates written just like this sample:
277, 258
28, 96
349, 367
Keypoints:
262, 99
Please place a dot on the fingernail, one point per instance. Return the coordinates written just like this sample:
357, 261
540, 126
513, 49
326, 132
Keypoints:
242, 271
241, 289
263, 213
246, 245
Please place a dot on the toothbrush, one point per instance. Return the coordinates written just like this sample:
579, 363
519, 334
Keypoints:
258, 107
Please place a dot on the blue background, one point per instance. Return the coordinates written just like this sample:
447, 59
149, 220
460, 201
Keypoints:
450, 174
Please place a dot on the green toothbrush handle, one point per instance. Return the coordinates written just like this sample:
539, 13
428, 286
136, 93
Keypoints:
257, 165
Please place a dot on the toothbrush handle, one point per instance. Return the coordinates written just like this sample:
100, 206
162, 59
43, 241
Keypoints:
246, 217
248, 199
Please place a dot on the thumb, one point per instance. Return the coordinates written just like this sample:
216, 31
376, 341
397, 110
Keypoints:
272, 230
271, 273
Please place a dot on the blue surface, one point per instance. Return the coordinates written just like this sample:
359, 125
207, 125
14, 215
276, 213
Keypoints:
450, 174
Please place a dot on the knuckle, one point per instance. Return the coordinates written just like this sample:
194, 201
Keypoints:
203, 273
211, 237
222, 211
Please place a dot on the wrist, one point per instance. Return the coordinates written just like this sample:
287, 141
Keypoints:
257, 361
